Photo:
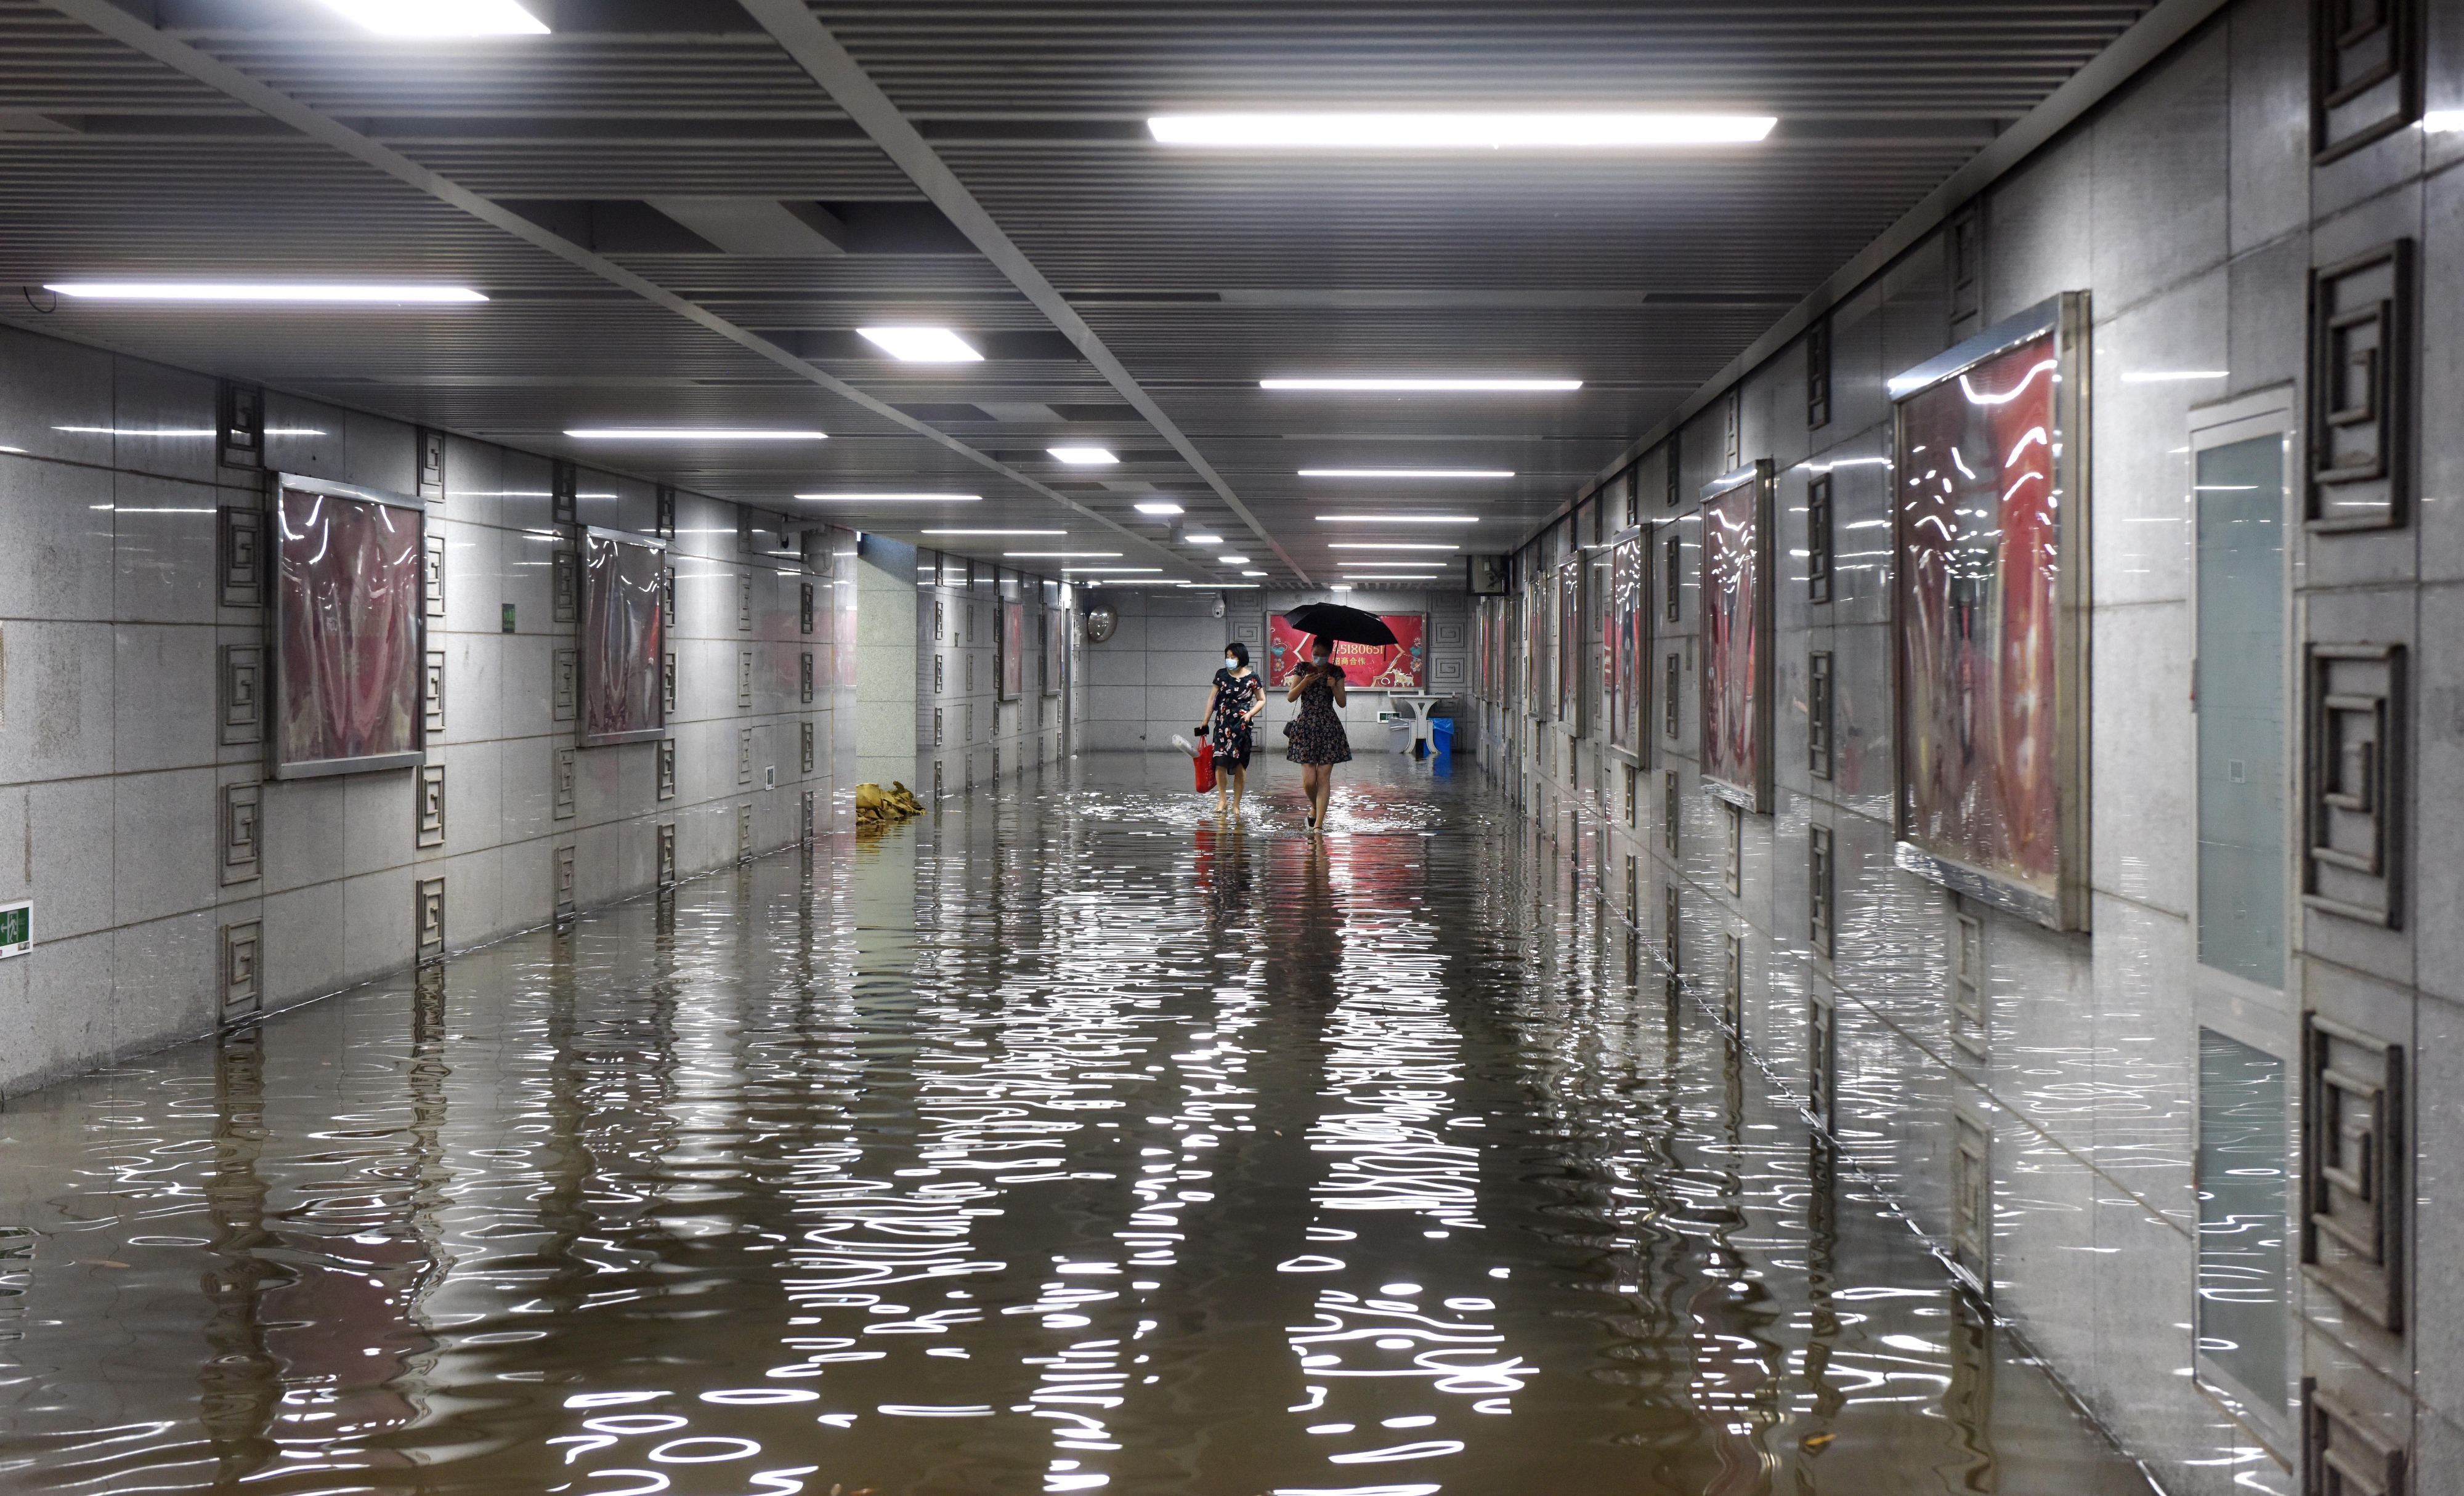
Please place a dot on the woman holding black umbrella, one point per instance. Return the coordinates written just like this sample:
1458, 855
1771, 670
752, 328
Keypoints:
1318, 741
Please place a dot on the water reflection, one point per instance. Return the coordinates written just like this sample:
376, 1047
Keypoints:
1072, 1141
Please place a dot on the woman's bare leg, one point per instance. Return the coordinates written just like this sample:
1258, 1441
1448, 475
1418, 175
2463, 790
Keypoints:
1324, 790
1239, 782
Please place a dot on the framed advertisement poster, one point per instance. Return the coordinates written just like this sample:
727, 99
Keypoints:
349, 623
1010, 645
1400, 666
621, 633
1570, 645
1737, 637
1539, 661
1056, 634
1626, 643
1990, 592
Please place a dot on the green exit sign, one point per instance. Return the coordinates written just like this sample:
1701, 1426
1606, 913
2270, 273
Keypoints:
16, 928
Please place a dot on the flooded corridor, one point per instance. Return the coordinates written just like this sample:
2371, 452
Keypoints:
1068, 1140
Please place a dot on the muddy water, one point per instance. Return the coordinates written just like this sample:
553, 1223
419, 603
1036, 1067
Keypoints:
1072, 1141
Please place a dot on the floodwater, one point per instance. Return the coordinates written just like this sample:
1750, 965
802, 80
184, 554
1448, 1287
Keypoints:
1067, 1140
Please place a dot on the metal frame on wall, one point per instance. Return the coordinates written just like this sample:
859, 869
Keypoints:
2028, 566
1735, 646
590, 667
280, 761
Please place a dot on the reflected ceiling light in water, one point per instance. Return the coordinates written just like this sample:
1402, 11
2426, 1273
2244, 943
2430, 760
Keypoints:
1399, 384
257, 290
1480, 130
1405, 472
438, 18
921, 344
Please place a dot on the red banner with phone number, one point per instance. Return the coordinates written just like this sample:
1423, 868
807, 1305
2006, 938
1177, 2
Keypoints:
1400, 666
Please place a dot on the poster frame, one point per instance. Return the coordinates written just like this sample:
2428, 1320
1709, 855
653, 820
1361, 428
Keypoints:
2064, 318
1628, 612
1756, 481
278, 762
586, 673
1009, 640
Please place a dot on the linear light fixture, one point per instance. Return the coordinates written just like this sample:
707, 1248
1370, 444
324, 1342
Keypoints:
1611, 130
1253, 573
185, 430
891, 499
1158, 508
1386, 545
1232, 561
1062, 555
1084, 456
1111, 571
437, 18
1204, 538
921, 344
1409, 565
2443, 121
256, 290
1398, 520
1405, 472
688, 433
1395, 385
992, 532
1392, 576
2172, 376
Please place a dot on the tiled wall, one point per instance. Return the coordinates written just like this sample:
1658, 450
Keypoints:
173, 883
1149, 680
2190, 207
966, 736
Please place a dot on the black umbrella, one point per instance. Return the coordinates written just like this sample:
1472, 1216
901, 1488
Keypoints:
1335, 621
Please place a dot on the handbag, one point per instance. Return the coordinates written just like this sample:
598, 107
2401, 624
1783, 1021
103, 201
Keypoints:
1205, 762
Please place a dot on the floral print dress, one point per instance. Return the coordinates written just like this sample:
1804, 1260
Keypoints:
1317, 735
1227, 733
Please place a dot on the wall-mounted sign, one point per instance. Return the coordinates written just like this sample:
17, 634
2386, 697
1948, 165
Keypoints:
16, 928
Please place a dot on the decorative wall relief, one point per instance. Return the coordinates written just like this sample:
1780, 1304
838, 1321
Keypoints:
804, 753
432, 695
744, 603
744, 756
1817, 373
432, 574
1820, 879
564, 488
2342, 1453
2363, 386
744, 680
803, 607
1818, 714
242, 551
744, 833
563, 587
243, 843
430, 806
239, 425
243, 979
2364, 73
2354, 1184
1989, 649
241, 687
428, 921
565, 797
429, 445
667, 769
662, 523
666, 855
2354, 782
805, 677
1971, 1200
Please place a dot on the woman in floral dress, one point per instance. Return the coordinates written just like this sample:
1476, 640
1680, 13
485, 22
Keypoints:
1318, 741
1234, 704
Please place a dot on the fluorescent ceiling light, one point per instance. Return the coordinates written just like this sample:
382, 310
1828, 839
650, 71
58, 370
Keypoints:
1398, 520
921, 344
1062, 555
1405, 472
1157, 509
688, 434
1409, 565
992, 532
2172, 376
1393, 576
265, 291
1424, 385
1121, 571
1232, 561
1204, 540
1253, 573
1386, 545
1340, 586
2444, 122
888, 496
1084, 456
1464, 131
441, 18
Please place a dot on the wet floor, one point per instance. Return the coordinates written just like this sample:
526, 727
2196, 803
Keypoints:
1069, 1141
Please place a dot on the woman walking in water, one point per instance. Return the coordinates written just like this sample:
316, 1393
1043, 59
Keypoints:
1317, 737
1231, 707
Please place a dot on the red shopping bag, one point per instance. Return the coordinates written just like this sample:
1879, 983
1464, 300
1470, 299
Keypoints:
1205, 762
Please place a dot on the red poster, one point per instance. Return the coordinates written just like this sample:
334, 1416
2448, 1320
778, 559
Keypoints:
1979, 559
1736, 703
1400, 666
349, 635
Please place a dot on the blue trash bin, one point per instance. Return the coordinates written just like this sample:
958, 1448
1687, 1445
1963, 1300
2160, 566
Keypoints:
1441, 735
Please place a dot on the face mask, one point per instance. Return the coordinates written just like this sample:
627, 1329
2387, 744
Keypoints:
1231, 664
